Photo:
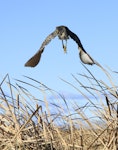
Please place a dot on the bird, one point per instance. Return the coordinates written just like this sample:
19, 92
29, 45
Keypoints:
63, 33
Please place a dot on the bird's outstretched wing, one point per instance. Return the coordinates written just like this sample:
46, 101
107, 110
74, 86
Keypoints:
33, 61
48, 39
75, 38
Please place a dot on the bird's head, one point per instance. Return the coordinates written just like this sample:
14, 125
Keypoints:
62, 32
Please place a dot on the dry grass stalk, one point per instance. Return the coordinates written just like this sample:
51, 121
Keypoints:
28, 123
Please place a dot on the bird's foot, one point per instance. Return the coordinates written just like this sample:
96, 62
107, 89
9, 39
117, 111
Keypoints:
65, 49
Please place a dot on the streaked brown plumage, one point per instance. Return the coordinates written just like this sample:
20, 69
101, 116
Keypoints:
63, 33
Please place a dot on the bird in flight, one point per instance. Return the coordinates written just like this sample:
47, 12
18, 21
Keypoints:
63, 33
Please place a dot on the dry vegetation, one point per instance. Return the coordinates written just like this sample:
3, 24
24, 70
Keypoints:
30, 123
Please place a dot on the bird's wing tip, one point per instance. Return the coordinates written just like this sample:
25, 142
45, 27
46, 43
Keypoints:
26, 65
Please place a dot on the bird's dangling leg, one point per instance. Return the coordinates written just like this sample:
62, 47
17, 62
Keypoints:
64, 46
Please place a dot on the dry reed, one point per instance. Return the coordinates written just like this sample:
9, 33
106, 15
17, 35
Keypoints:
30, 123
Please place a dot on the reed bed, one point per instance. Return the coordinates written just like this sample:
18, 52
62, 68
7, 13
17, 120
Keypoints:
28, 122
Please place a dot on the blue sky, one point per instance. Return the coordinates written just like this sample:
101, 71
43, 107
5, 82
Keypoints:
25, 24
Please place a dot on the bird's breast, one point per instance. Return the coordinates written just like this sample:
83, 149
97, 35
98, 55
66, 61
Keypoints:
63, 36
